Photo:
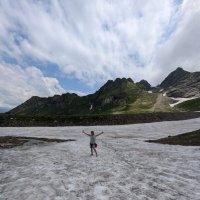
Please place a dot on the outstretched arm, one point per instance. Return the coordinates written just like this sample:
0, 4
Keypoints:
100, 133
85, 133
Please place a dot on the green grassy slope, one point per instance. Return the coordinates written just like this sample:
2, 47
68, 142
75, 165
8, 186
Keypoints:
115, 96
142, 104
190, 105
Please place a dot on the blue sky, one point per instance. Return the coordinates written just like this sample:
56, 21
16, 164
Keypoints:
58, 46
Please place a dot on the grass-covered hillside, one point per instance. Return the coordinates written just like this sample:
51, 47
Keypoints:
121, 96
142, 104
113, 95
190, 105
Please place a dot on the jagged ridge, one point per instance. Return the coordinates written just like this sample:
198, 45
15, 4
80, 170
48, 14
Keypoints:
113, 94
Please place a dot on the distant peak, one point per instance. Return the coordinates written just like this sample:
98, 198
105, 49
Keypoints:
174, 77
130, 80
109, 81
179, 69
144, 84
34, 97
121, 80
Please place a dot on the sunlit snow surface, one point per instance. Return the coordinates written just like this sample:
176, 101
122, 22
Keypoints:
126, 168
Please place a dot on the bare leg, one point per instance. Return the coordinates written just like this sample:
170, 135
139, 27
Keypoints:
95, 151
91, 151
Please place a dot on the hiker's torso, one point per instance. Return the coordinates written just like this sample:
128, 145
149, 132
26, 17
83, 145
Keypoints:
93, 139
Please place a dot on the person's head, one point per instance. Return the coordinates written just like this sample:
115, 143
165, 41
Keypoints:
92, 132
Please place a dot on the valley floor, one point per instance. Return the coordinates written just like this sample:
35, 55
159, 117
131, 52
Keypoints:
126, 168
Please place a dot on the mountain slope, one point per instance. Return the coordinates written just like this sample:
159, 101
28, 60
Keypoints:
58, 104
115, 94
190, 105
144, 85
111, 95
174, 77
121, 96
181, 83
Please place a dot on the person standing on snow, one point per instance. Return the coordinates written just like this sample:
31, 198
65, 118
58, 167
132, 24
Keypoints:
93, 144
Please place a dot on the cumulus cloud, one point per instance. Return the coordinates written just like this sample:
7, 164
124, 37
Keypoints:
181, 49
18, 84
93, 41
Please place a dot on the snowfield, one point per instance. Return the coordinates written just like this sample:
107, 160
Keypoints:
126, 168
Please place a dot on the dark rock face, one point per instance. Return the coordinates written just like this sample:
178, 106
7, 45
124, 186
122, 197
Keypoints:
187, 87
174, 77
181, 83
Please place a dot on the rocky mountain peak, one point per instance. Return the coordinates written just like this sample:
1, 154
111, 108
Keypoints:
181, 83
144, 85
118, 82
174, 77
179, 69
122, 80
33, 99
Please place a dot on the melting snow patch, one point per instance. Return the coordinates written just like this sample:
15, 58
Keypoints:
180, 100
100, 192
127, 167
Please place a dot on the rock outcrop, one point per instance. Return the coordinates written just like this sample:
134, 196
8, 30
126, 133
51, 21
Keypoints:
181, 83
174, 77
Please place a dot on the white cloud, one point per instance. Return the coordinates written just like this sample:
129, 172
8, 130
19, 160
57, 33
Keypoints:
93, 41
18, 84
183, 47
99, 40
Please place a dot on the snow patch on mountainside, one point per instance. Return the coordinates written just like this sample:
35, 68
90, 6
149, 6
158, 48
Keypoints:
180, 100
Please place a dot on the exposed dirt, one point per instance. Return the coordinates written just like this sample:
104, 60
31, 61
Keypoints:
13, 141
186, 139
26, 121
162, 103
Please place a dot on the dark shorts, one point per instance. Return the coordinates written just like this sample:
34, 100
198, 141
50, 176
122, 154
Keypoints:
93, 145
